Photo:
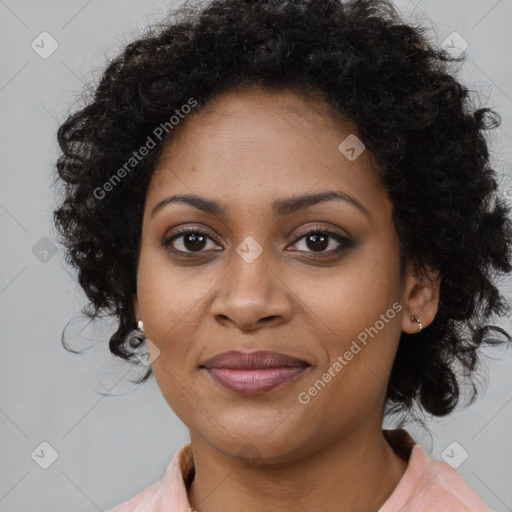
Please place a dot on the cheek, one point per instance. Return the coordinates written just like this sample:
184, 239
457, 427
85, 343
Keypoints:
359, 350
170, 296
355, 315
166, 304
173, 303
350, 299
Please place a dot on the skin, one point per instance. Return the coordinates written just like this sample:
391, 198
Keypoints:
247, 149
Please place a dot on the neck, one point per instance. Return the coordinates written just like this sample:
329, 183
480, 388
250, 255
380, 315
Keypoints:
356, 472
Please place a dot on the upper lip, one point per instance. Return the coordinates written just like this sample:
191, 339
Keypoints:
253, 360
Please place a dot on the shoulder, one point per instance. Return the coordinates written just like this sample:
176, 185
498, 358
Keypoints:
450, 490
429, 485
169, 492
145, 500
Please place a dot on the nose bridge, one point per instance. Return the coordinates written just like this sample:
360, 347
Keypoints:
251, 290
251, 269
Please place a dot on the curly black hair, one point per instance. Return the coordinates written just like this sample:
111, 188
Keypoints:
365, 62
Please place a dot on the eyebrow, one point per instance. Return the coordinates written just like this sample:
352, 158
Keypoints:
281, 207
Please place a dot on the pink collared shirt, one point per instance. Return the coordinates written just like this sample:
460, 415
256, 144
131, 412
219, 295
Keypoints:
427, 485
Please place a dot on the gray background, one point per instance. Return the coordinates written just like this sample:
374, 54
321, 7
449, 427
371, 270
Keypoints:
111, 447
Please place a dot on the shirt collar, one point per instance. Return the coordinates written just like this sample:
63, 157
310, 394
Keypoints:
181, 471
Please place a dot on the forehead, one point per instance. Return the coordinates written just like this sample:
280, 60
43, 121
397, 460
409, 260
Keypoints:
256, 145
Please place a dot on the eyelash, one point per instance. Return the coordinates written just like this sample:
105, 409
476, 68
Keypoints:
345, 242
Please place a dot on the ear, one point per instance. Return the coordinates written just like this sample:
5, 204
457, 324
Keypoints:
136, 309
421, 297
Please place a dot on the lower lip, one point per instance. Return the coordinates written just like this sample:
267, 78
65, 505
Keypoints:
253, 382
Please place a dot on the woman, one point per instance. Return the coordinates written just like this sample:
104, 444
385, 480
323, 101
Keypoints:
292, 204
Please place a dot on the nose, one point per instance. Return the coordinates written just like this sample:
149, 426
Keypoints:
251, 296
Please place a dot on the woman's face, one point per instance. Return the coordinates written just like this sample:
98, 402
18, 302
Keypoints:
250, 280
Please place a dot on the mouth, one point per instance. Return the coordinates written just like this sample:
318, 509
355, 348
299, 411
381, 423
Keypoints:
254, 372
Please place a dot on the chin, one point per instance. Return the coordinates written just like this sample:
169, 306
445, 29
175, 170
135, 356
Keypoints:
259, 443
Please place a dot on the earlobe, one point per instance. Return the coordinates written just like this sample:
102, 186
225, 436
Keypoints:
421, 300
414, 318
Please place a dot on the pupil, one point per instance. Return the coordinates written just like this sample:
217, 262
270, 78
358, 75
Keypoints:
322, 245
197, 240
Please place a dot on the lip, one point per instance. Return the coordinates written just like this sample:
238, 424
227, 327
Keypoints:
260, 359
252, 373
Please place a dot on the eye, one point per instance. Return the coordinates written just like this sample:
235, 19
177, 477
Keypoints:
190, 240
193, 240
319, 239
